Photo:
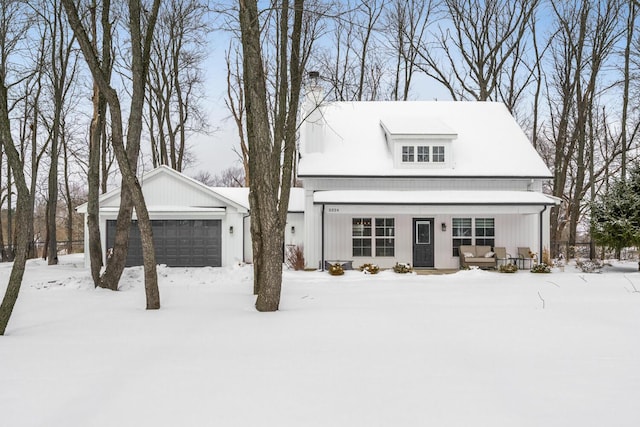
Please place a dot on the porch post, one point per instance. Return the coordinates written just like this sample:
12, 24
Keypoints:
322, 240
541, 237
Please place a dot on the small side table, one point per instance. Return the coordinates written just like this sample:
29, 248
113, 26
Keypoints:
523, 263
503, 261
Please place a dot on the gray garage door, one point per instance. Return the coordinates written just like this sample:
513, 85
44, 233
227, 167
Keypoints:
178, 243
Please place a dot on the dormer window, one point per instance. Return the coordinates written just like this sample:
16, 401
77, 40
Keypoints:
438, 154
419, 142
407, 153
424, 154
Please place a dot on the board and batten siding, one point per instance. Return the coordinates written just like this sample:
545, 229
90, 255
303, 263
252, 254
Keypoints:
293, 233
433, 184
512, 230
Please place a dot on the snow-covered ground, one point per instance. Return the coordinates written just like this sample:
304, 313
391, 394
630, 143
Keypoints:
473, 348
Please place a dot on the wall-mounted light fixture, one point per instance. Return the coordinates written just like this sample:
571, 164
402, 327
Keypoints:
444, 226
231, 230
293, 229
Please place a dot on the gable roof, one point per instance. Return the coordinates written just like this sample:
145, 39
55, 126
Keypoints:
488, 141
240, 195
171, 190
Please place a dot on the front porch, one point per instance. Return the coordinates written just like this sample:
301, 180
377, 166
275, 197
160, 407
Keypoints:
425, 236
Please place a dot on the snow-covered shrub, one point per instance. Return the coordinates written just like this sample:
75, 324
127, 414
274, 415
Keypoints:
336, 269
589, 266
541, 268
370, 268
402, 268
508, 268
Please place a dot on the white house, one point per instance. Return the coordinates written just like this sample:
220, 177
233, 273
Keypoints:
384, 182
193, 224
389, 182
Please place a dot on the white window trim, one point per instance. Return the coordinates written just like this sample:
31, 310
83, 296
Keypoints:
373, 236
414, 154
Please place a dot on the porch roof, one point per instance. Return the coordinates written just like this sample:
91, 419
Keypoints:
443, 198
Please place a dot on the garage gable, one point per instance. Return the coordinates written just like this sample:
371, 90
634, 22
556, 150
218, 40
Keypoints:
164, 187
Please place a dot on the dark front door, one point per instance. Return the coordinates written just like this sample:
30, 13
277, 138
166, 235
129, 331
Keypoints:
423, 242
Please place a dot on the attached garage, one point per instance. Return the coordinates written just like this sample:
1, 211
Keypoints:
193, 225
178, 243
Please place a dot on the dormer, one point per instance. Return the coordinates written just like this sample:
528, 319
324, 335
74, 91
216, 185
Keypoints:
419, 142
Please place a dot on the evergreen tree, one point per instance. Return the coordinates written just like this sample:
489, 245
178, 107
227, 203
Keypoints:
615, 218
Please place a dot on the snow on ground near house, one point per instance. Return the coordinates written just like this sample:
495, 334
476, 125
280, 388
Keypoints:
473, 348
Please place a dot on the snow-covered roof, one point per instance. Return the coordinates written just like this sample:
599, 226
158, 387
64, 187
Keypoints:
240, 195
407, 125
211, 199
489, 141
432, 197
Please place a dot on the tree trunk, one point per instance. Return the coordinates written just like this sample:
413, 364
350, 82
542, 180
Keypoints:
631, 18
127, 158
24, 223
52, 205
10, 234
93, 182
270, 153
96, 134
68, 197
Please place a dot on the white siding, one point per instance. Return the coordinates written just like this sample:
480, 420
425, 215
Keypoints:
312, 232
435, 184
512, 231
291, 237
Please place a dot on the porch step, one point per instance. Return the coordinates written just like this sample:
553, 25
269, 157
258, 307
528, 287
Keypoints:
432, 271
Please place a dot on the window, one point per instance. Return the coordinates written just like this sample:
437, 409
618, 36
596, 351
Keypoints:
463, 234
485, 231
461, 230
361, 236
438, 154
385, 240
423, 153
407, 153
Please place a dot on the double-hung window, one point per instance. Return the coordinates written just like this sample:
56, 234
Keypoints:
362, 239
461, 231
485, 232
385, 237
464, 233
361, 236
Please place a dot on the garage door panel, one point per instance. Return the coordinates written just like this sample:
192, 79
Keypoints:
177, 242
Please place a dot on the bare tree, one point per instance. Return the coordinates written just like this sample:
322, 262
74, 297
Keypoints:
21, 158
406, 23
231, 177
271, 150
98, 134
626, 78
585, 35
352, 62
236, 104
176, 81
131, 194
61, 71
479, 49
